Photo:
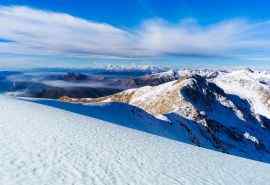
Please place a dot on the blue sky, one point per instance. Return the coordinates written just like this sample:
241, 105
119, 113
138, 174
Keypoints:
173, 33
128, 13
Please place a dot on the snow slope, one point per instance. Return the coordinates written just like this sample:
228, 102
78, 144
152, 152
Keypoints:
44, 145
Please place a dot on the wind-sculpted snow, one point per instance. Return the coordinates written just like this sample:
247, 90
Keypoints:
209, 110
44, 145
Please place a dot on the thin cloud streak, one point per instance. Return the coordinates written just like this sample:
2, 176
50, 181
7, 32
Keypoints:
39, 32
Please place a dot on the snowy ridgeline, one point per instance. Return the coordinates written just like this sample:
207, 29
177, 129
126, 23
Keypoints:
44, 145
101, 82
219, 110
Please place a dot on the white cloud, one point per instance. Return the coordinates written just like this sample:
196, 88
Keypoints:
38, 32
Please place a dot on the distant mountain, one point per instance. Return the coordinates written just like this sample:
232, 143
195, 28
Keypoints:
220, 110
79, 84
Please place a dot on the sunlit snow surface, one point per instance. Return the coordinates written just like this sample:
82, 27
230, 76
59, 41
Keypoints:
44, 145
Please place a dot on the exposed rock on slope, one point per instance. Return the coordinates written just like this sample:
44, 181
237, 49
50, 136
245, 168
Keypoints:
251, 85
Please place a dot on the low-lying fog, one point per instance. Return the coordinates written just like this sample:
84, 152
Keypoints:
54, 83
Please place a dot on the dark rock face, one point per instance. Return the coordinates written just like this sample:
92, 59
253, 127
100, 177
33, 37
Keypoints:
201, 92
230, 127
265, 122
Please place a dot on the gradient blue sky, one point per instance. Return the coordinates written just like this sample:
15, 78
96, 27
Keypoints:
172, 33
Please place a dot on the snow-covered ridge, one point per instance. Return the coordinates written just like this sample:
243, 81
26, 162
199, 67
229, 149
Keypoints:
210, 108
251, 85
44, 145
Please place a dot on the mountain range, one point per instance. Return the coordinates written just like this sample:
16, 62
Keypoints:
227, 111
176, 127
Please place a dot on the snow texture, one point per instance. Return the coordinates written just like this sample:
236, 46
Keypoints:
48, 146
